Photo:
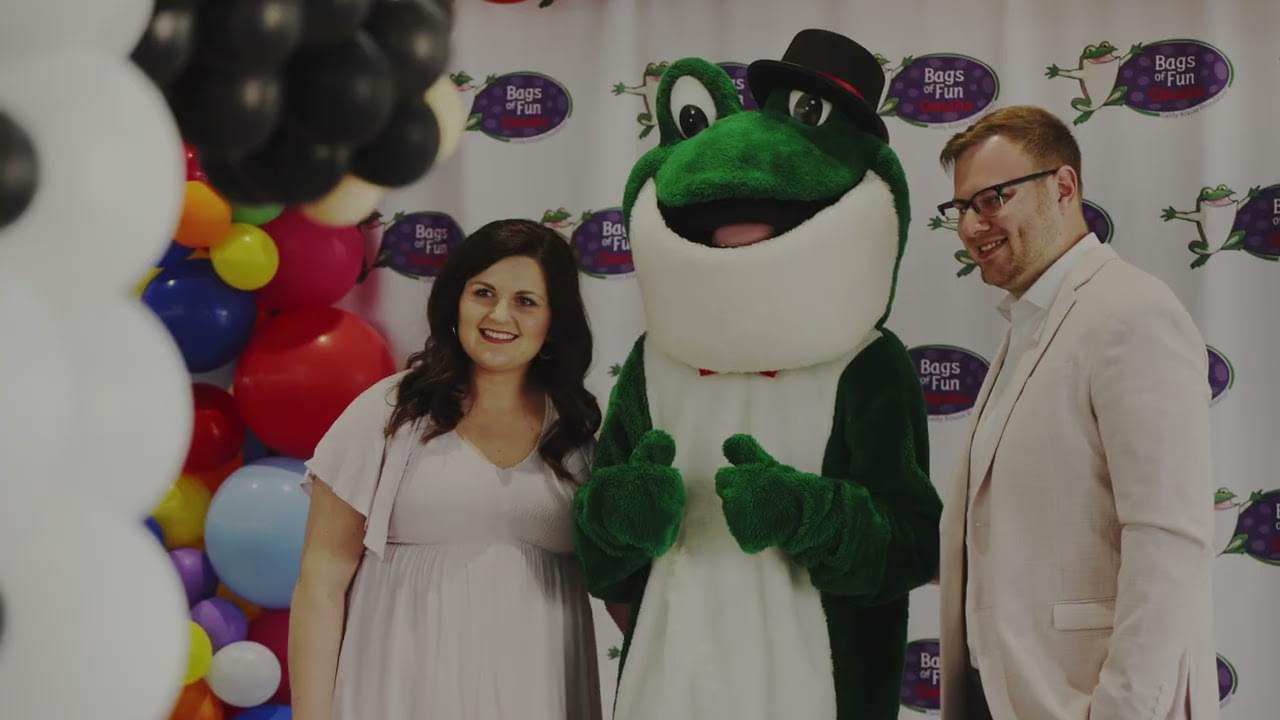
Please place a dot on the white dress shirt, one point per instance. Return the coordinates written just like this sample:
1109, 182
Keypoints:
1026, 316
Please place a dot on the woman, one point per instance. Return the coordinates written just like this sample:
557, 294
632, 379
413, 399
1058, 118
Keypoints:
438, 578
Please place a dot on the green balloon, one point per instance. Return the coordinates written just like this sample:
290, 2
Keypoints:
255, 214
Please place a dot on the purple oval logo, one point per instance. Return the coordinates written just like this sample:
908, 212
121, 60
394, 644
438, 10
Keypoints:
950, 378
1098, 220
940, 90
520, 107
922, 677
738, 74
1228, 681
417, 245
1173, 77
1257, 531
1256, 229
600, 243
1221, 373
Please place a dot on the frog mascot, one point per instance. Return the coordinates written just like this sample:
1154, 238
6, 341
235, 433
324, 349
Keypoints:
760, 491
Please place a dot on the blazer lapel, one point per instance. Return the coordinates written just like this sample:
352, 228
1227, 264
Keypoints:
1062, 304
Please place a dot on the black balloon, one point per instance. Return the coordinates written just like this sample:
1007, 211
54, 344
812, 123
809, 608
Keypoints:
18, 170
292, 168
415, 36
228, 114
341, 94
404, 150
229, 177
249, 35
168, 42
331, 21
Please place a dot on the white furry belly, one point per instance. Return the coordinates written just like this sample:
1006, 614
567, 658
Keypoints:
720, 633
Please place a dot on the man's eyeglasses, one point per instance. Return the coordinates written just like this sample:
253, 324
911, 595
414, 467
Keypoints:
987, 201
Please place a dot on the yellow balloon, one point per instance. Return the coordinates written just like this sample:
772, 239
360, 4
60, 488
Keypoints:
145, 281
246, 258
201, 657
349, 202
181, 513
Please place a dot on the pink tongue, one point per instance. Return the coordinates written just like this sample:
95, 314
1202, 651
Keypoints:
741, 234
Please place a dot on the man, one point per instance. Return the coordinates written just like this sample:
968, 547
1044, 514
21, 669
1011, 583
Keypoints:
1076, 561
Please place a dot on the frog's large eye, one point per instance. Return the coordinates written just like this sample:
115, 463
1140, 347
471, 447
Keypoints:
808, 108
692, 107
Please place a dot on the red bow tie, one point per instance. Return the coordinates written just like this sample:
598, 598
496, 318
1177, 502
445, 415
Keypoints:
705, 372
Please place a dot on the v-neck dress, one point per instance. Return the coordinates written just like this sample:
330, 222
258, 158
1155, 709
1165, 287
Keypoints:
468, 602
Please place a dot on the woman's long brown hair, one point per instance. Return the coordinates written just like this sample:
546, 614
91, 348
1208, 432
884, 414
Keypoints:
440, 374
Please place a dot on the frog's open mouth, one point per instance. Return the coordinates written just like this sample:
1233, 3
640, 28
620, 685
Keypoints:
737, 222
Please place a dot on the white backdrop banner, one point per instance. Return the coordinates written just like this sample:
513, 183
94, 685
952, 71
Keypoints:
1174, 102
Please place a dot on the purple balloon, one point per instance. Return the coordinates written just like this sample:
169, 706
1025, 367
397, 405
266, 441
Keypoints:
196, 573
222, 620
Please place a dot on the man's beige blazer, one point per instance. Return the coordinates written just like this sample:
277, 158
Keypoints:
1092, 522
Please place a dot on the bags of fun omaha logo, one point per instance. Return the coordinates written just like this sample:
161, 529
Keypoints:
922, 677
941, 90
1228, 681
1098, 220
950, 378
1256, 528
1225, 221
1168, 78
647, 90
516, 107
414, 245
598, 238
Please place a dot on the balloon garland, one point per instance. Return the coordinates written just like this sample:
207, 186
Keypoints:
291, 119
323, 104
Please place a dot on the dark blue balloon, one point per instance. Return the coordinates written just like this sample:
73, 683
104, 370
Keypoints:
283, 462
174, 255
209, 320
155, 529
266, 712
254, 448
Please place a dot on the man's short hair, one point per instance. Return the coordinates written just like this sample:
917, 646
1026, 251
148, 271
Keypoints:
1040, 134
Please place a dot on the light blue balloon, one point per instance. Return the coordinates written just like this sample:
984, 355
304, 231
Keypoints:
253, 532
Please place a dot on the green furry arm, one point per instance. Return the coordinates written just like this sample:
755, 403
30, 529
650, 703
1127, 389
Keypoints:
886, 519
868, 526
629, 511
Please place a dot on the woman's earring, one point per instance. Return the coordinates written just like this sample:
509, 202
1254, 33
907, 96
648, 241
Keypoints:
545, 353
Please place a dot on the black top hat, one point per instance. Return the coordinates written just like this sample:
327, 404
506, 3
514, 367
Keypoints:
829, 64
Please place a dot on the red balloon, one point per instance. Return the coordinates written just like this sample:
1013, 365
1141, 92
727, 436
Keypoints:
301, 370
194, 171
218, 431
271, 628
318, 263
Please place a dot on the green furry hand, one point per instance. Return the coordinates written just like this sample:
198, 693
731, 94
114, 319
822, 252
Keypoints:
636, 506
766, 503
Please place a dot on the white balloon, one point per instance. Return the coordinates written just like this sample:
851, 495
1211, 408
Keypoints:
111, 172
36, 398
33, 26
133, 413
349, 202
446, 102
244, 674
95, 619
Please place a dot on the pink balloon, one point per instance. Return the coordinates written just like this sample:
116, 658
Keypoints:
318, 263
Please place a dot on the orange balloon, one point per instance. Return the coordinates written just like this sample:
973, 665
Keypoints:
250, 610
206, 217
214, 476
197, 702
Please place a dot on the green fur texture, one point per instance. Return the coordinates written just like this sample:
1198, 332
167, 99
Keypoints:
633, 482
879, 444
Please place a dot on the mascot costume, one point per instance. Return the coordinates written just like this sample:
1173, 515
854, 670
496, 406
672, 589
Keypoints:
760, 490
